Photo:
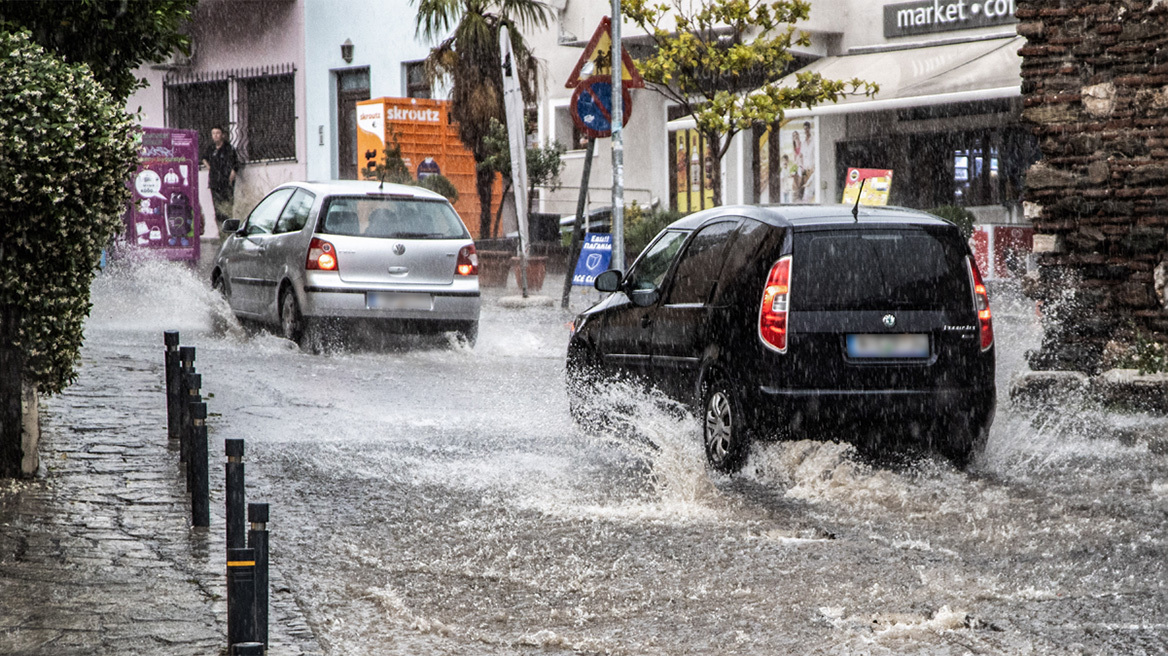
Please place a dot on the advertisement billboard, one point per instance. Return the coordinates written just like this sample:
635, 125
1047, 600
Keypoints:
799, 161
164, 218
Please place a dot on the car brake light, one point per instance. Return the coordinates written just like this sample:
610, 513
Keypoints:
321, 255
468, 261
981, 303
772, 314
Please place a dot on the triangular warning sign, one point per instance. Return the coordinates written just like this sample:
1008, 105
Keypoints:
598, 53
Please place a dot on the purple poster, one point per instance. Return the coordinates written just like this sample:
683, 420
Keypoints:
164, 217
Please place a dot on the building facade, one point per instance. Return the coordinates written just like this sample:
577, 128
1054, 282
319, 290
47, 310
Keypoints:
286, 75
283, 78
946, 119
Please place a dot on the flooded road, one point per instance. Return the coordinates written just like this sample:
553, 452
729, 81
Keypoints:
429, 499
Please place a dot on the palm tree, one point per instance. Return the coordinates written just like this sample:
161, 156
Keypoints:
469, 58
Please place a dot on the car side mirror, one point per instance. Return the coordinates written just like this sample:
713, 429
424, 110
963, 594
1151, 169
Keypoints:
645, 297
230, 226
609, 281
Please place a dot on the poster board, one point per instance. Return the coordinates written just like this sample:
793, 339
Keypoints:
798, 162
595, 258
694, 171
163, 219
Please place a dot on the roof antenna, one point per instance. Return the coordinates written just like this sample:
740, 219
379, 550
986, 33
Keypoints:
856, 207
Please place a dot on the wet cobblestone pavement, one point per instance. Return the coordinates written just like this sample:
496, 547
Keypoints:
96, 554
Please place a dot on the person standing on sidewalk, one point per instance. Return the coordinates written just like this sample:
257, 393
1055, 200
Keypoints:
221, 160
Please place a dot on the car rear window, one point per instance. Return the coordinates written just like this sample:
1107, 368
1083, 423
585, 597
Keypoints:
902, 269
390, 218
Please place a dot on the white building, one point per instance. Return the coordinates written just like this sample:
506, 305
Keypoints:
283, 76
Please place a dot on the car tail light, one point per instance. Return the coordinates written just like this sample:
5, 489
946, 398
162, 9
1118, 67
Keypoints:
468, 261
321, 255
772, 315
981, 303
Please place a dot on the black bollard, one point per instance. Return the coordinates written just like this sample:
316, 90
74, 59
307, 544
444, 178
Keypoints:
170, 338
236, 531
194, 387
186, 358
249, 649
197, 466
240, 596
257, 541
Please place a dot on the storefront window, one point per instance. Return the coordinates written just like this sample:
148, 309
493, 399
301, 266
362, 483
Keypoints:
976, 179
966, 168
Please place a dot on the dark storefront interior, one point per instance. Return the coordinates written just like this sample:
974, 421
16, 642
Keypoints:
964, 156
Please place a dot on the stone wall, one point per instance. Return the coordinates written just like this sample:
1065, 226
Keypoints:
1095, 90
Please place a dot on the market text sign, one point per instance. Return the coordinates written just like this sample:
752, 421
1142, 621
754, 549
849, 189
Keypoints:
926, 16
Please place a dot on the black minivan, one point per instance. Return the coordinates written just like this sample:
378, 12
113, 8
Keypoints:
800, 322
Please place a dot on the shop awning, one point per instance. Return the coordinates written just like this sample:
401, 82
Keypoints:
920, 77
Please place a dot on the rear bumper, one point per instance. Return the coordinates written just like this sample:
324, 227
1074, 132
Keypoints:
449, 305
875, 408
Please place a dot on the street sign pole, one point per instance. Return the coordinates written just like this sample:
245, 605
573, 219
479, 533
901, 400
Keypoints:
516, 136
618, 146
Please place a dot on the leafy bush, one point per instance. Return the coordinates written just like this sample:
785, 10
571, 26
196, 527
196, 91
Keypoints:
958, 216
1145, 354
68, 151
440, 184
641, 227
391, 167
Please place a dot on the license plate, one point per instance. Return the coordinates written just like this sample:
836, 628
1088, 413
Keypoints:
888, 346
398, 301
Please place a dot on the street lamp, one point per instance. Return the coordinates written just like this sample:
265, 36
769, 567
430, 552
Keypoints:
347, 51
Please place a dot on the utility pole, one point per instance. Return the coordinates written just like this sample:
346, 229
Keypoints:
618, 146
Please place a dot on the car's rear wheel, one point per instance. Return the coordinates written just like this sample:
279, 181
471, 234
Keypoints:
963, 441
725, 429
291, 321
469, 333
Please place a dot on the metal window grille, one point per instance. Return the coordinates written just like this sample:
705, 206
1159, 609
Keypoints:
270, 102
257, 107
198, 106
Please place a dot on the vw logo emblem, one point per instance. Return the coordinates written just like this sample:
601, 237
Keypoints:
889, 320
399, 249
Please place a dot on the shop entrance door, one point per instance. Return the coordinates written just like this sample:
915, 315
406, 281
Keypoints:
352, 87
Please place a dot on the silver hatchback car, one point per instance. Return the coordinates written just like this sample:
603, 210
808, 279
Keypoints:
317, 253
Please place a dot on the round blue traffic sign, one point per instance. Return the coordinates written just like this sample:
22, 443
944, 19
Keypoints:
591, 107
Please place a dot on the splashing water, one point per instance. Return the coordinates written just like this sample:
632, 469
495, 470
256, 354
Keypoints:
156, 295
661, 435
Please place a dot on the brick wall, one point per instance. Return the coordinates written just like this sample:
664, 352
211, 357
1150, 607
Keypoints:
1095, 91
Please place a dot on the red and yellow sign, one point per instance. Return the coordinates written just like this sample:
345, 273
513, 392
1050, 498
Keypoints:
877, 185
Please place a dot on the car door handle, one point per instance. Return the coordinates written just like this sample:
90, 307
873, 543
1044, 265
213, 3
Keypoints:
646, 320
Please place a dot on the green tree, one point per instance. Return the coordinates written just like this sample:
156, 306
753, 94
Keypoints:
66, 151
113, 37
391, 167
468, 57
722, 60
544, 163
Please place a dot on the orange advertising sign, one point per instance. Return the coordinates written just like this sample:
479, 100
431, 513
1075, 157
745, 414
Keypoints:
429, 145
